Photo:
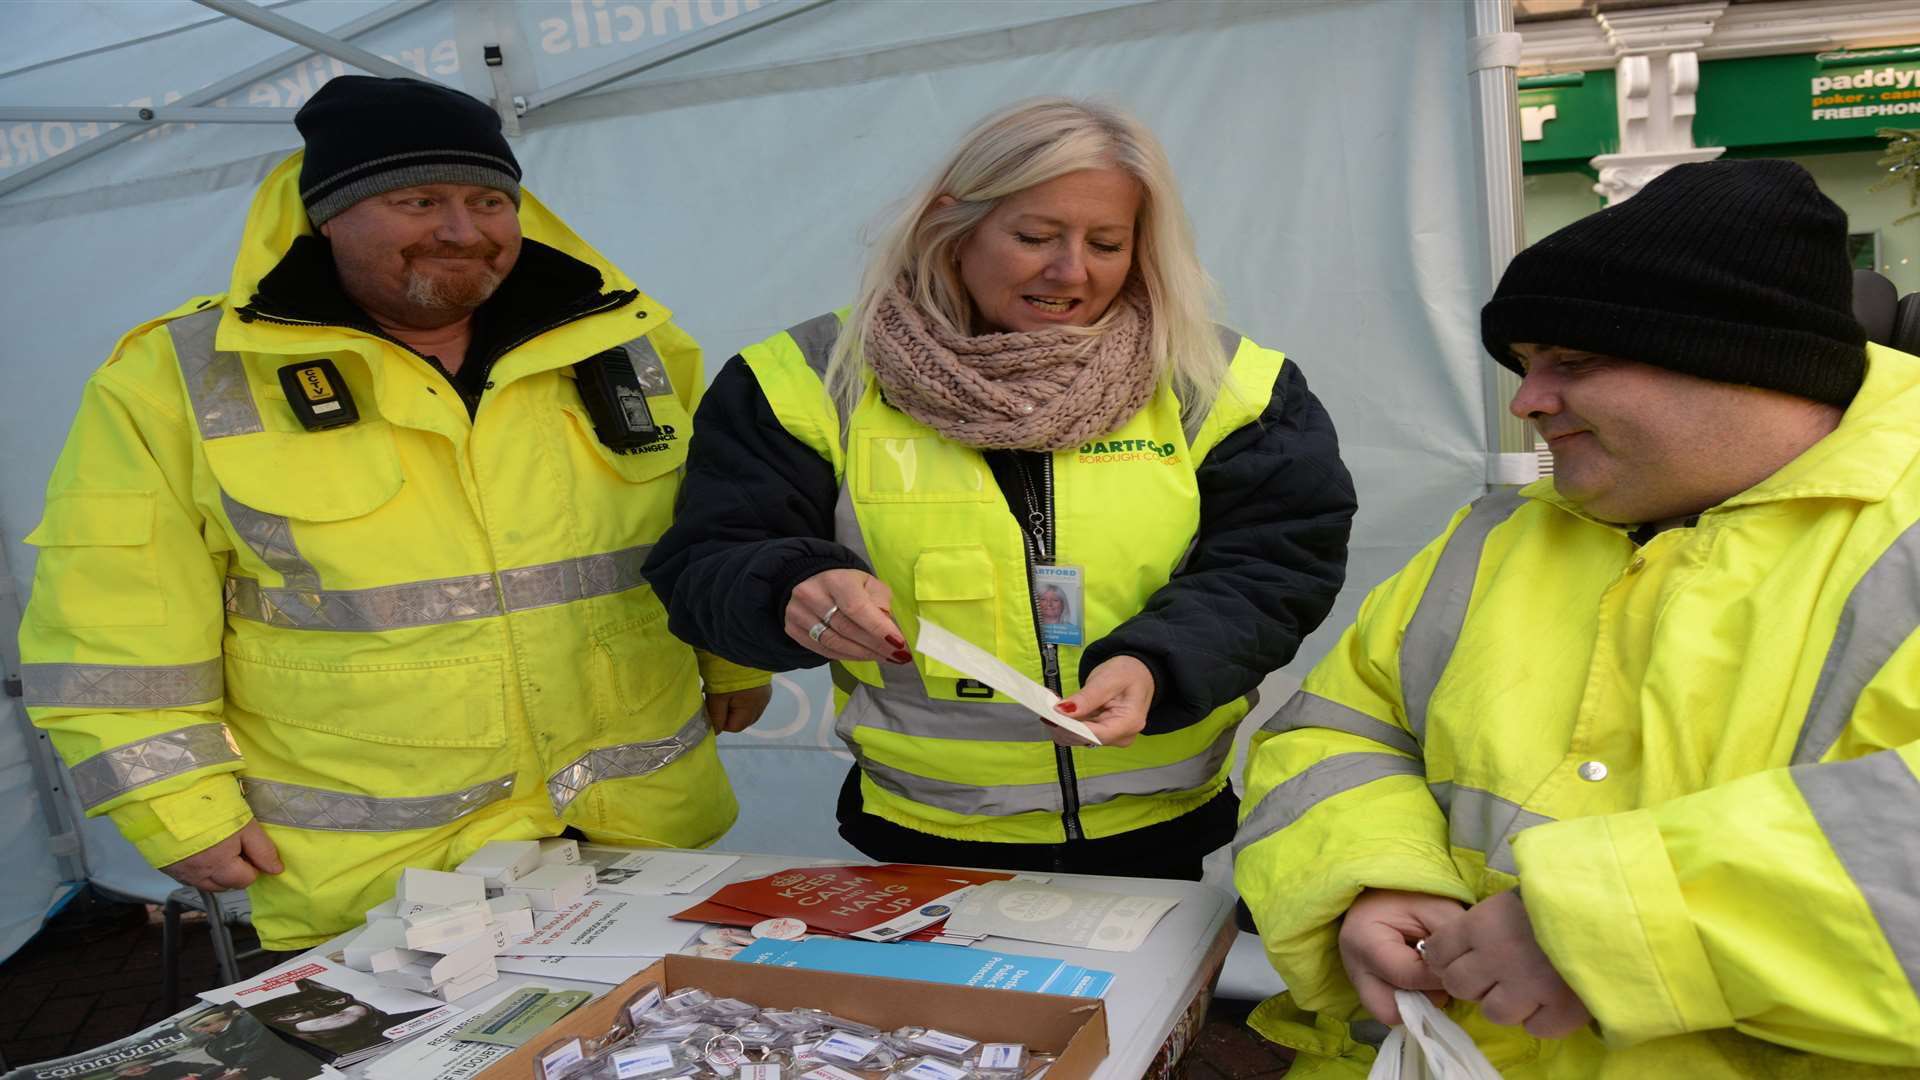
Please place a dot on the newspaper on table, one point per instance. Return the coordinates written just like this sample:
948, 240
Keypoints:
612, 970
962, 655
601, 925
204, 1041
1082, 918
334, 1012
651, 872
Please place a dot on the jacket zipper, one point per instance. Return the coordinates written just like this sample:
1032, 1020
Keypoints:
1038, 536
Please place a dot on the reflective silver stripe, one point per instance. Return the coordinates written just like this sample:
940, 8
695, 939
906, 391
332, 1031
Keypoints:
625, 761
447, 600
573, 579
1229, 346
1289, 801
391, 607
1229, 340
649, 367
815, 337
271, 537
216, 381
110, 774
1188, 774
1866, 808
1482, 821
122, 686
304, 807
1880, 614
1435, 627
1000, 800
887, 708
1304, 710
904, 678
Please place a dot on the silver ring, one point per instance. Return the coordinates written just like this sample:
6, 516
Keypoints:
827, 619
1421, 948
816, 630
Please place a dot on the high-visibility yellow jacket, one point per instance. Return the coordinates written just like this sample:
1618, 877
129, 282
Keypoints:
1696, 756
389, 642
927, 515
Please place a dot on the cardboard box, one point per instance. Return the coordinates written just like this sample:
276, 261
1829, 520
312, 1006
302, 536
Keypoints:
438, 888
1073, 1028
554, 886
420, 970
378, 947
436, 927
513, 914
557, 852
502, 862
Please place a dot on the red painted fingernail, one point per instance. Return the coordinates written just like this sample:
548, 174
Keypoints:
1069, 707
896, 642
902, 656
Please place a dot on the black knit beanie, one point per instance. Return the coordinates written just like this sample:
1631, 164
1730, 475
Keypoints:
366, 136
1735, 271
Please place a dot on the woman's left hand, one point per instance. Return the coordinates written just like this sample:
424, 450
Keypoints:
1113, 702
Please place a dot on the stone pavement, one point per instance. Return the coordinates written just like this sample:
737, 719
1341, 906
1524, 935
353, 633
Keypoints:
93, 975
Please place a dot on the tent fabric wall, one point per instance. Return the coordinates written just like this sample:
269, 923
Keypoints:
1325, 151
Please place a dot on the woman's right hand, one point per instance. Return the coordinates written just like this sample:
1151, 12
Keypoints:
862, 628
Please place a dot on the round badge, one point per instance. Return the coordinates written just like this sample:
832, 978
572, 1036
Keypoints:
717, 952
725, 935
780, 929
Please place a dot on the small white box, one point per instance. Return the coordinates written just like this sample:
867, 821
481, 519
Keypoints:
438, 888
555, 850
466, 984
438, 926
554, 887
512, 913
430, 971
378, 947
502, 862
388, 910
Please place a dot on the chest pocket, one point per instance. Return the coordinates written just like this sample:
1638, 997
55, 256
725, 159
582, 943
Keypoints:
319, 476
643, 463
954, 586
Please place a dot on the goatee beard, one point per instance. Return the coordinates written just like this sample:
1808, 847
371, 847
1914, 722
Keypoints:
455, 292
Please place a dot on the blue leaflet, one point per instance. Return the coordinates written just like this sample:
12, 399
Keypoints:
929, 962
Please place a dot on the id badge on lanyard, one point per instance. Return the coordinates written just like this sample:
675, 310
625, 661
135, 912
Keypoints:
1059, 592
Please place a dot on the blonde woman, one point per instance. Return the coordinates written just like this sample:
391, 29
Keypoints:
1027, 399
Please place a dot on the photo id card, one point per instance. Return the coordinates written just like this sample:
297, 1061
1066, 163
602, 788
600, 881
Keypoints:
1058, 594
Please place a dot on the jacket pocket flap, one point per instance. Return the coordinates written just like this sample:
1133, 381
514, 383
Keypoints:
347, 472
953, 573
646, 462
96, 519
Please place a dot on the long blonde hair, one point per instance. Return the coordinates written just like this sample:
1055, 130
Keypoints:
1010, 151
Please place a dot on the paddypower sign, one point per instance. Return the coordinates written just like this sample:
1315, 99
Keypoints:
1770, 100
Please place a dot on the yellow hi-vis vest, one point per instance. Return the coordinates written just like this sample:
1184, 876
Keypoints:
926, 514
389, 642
1698, 758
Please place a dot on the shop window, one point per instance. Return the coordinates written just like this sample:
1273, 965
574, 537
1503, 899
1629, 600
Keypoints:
1863, 249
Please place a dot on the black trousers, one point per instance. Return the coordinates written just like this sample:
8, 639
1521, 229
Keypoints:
1171, 849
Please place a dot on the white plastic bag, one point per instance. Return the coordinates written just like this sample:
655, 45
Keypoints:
1428, 1046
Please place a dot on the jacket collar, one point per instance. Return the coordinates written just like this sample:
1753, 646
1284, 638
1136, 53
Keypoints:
546, 287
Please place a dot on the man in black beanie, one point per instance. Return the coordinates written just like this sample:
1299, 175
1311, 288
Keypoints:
1673, 690
341, 567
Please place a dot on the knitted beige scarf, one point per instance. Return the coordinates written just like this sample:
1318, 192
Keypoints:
1036, 390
